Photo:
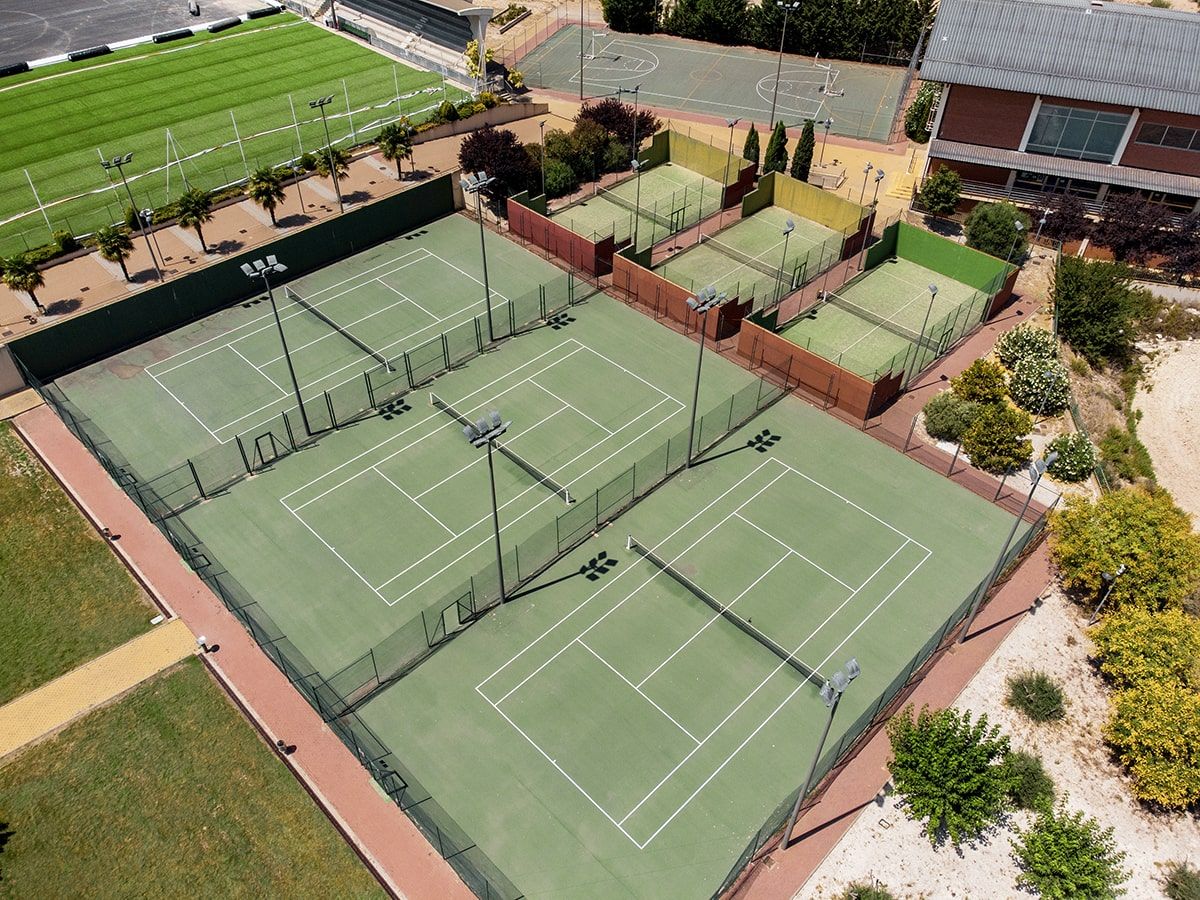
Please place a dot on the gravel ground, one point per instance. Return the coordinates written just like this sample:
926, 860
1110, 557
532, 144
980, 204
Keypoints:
1170, 424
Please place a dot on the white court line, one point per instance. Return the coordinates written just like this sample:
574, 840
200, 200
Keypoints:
641, 693
795, 552
419, 505
380, 280
850, 347
186, 408
570, 406
259, 370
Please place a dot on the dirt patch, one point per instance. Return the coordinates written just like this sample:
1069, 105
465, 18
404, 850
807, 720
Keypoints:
1170, 423
883, 843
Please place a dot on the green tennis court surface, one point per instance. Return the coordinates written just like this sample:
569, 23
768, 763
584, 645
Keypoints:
612, 735
748, 259
668, 199
720, 81
870, 326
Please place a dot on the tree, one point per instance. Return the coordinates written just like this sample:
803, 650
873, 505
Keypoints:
194, 208
940, 194
947, 416
917, 116
948, 770
996, 440
21, 274
1097, 306
471, 58
617, 119
115, 245
1183, 249
1040, 386
331, 161
1024, 342
396, 144
498, 153
802, 158
993, 228
1144, 531
1076, 458
777, 154
1064, 856
1155, 730
1066, 219
982, 381
265, 188
715, 21
750, 149
1133, 228
1135, 645
632, 16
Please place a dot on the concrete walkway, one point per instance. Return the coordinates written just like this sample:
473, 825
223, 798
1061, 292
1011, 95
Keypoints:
44, 710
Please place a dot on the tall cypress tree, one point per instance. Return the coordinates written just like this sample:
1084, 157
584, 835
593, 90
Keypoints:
750, 150
777, 155
802, 159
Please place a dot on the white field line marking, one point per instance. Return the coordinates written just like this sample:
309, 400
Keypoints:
821, 569
416, 502
345, 562
380, 280
704, 627
570, 406
876, 328
641, 693
259, 370
186, 408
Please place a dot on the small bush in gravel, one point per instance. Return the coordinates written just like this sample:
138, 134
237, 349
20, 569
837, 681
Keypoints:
1155, 730
1136, 645
1026, 341
996, 441
1076, 456
866, 890
1029, 786
948, 416
982, 381
1183, 882
1040, 386
1064, 855
1037, 695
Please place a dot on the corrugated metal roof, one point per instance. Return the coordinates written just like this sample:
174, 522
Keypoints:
1124, 176
1104, 52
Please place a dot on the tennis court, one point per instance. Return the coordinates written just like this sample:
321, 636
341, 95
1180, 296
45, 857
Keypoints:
664, 200
719, 81
754, 258
872, 324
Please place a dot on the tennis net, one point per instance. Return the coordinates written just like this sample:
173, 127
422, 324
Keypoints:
640, 210
726, 613
755, 262
361, 345
533, 472
882, 321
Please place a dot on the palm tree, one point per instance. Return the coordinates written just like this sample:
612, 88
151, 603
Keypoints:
340, 160
395, 144
22, 275
115, 245
195, 208
265, 188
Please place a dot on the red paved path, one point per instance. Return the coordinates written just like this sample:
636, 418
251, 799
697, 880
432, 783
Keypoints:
381, 834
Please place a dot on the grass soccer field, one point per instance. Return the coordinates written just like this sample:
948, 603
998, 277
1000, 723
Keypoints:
171, 105
611, 734
871, 324
720, 81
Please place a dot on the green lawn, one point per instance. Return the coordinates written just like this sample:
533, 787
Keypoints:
167, 793
128, 102
64, 597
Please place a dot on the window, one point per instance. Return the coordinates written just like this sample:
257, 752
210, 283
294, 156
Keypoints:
1077, 133
1056, 184
1170, 136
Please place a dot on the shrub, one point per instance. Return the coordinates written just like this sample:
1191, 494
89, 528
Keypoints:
1124, 456
866, 890
132, 220
1155, 731
917, 115
1064, 856
616, 156
1183, 881
498, 152
488, 99
996, 440
560, 178
1097, 307
982, 381
307, 161
1067, 219
65, 242
1026, 341
948, 770
447, 111
948, 416
941, 191
1136, 645
1143, 530
992, 228
1037, 695
1076, 457
1029, 785
1040, 386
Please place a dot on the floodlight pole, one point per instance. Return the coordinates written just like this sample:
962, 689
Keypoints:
933, 292
633, 90
637, 216
831, 693
118, 163
879, 176
863, 193
728, 160
705, 300
1036, 470
581, 55
828, 123
263, 269
299, 173
320, 104
496, 523
788, 228
484, 433
787, 9
474, 184
1041, 225
148, 219
1111, 578
1018, 227
542, 142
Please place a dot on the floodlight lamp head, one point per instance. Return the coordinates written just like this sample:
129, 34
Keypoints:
828, 694
789, 226
853, 669
497, 421
732, 122
868, 168
1019, 225
248, 270
840, 681
879, 174
933, 289
272, 259
470, 433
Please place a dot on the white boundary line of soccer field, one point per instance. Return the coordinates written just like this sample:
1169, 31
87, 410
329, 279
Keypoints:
620, 823
359, 279
443, 419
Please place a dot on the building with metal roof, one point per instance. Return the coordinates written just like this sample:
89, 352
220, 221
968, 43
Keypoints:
1067, 96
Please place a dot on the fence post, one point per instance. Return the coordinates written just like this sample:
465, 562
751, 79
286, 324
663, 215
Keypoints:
329, 406
911, 429
196, 478
370, 391
242, 450
953, 461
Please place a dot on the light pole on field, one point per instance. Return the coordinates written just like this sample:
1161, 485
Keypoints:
828, 123
1111, 578
706, 299
118, 163
787, 9
263, 269
879, 176
474, 184
863, 193
483, 434
1018, 227
728, 162
319, 104
788, 227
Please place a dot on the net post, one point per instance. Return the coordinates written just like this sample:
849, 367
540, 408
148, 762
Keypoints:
370, 390
196, 478
911, 429
287, 427
445, 351
242, 450
408, 371
329, 406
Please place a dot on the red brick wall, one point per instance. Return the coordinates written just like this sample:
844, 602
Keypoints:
1163, 159
971, 171
986, 117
